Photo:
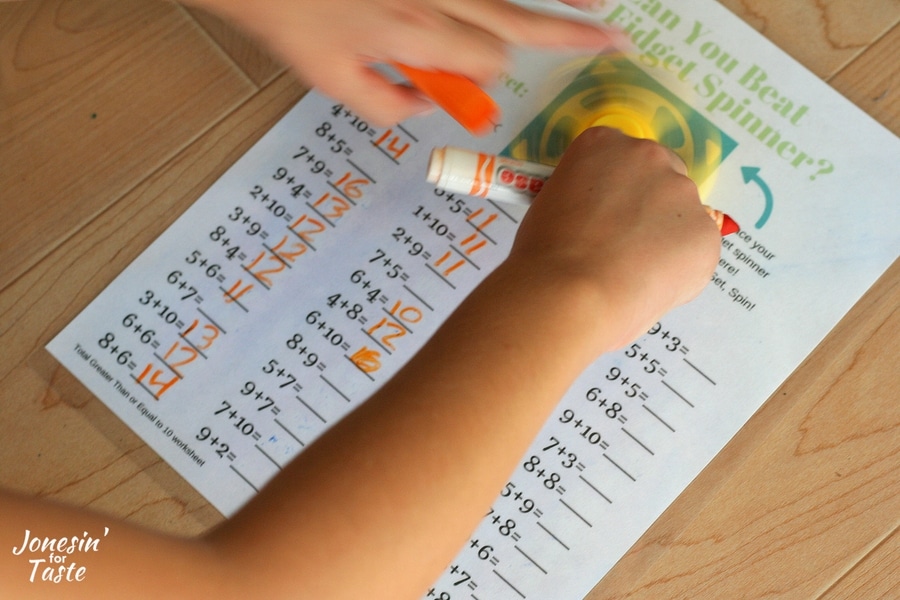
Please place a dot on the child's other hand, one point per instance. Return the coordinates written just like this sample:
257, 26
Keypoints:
333, 44
620, 214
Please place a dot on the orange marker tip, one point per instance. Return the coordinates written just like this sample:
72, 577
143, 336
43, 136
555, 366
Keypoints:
729, 225
457, 95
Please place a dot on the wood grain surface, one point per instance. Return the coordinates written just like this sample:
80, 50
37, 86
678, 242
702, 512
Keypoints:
115, 115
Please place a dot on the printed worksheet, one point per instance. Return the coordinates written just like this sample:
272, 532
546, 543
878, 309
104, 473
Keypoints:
322, 260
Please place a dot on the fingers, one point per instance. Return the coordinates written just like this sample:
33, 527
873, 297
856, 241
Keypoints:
332, 44
585, 4
621, 212
470, 37
438, 41
385, 103
519, 26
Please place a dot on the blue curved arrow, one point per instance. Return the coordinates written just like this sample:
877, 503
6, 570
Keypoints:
752, 174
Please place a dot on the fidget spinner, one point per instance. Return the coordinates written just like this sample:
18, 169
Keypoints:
612, 91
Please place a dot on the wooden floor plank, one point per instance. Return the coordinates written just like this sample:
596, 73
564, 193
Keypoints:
872, 82
823, 36
258, 65
84, 454
95, 95
876, 577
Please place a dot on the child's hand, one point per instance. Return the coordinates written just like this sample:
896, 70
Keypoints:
620, 214
333, 44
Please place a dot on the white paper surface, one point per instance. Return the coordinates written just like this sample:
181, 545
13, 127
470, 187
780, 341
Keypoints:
347, 253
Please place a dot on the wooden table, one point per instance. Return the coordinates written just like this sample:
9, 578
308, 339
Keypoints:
115, 115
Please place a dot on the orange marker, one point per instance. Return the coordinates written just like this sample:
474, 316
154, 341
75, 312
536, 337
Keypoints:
508, 180
459, 96
726, 224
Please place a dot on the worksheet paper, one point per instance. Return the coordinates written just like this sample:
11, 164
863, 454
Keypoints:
322, 260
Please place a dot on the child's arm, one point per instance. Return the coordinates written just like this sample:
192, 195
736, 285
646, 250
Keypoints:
617, 238
379, 505
332, 44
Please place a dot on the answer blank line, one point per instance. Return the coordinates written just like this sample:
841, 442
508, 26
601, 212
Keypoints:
619, 467
693, 366
241, 475
551, 534
506, 581
288, 431
534, 562
595, 488
266, 454
501, 210
658, 418
211, 320
359, 368
444, 279
311, 409
358, 168
407, 132
418, 297
335, 388
674, 391
575, 512
193, 347
639, 442
464, 256
233, 300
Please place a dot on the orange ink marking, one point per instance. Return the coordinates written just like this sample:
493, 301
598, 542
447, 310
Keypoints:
366, 359
262, 275
338, 204
164, 386
404, 313
191, 356
392, 148
234, 293
207, 339
487, 221
386, 339
351, 187
307, 234
475, 247
453, 267
289, 255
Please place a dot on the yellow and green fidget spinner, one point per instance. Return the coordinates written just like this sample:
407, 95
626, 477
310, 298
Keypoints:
612, 91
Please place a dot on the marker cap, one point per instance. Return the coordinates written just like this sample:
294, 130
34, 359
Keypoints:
459, 96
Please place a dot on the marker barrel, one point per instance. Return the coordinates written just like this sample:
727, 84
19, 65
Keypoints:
486, 176
508, 180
